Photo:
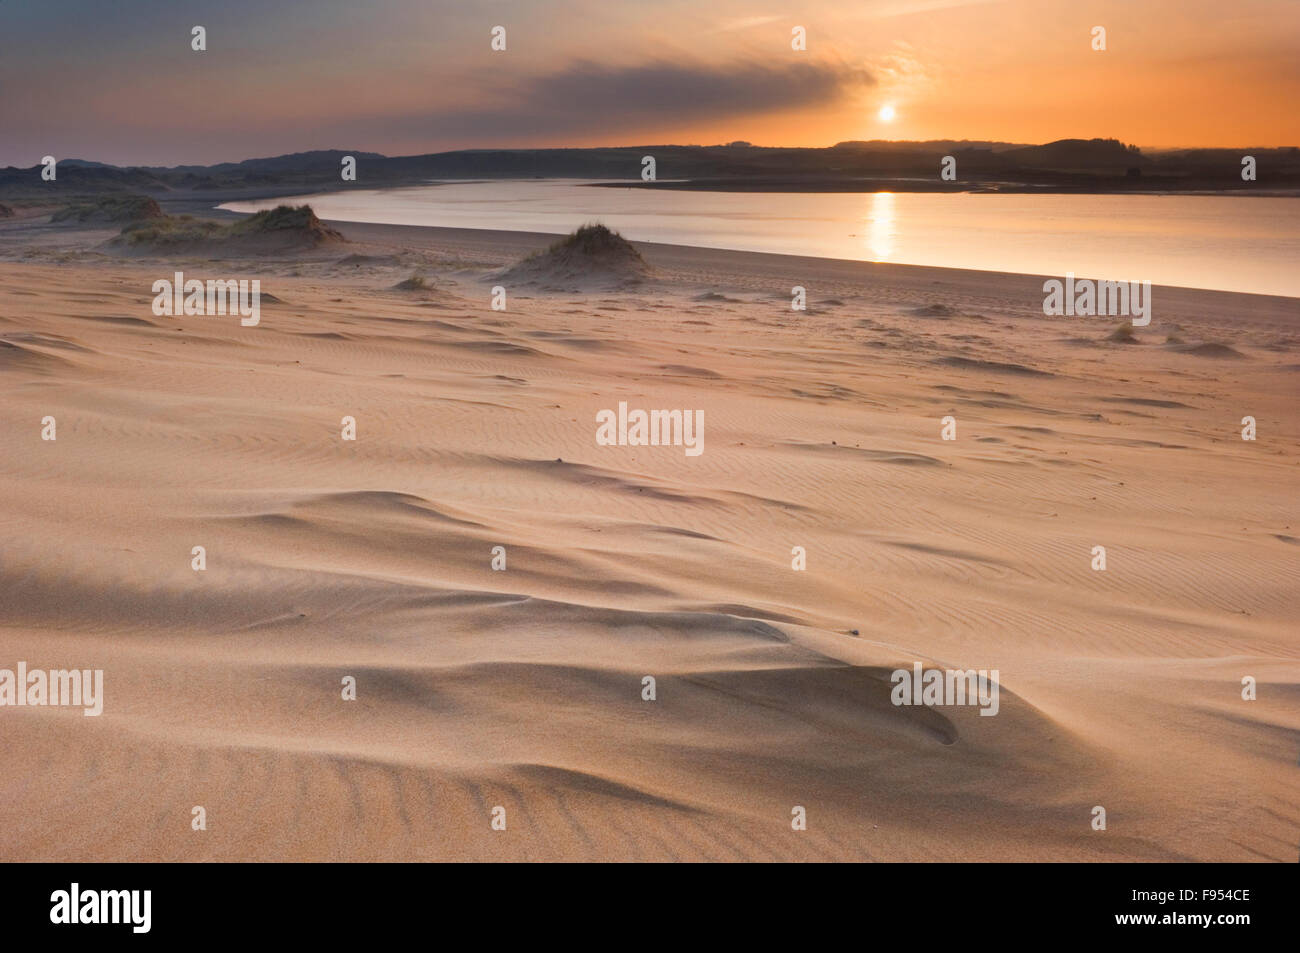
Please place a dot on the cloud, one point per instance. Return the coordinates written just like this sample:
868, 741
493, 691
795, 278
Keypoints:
580, 102
670, 90
587, 97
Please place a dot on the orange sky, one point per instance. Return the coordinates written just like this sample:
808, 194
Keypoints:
119, 82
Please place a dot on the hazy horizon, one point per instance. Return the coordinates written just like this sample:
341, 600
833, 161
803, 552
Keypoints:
1146, 150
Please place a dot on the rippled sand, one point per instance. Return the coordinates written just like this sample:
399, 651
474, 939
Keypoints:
522, 688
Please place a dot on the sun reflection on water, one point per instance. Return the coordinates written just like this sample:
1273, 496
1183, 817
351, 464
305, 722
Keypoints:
881, 219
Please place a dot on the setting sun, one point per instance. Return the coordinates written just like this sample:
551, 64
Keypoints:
886, 113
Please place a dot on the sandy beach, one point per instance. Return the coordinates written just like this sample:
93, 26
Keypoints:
522, 688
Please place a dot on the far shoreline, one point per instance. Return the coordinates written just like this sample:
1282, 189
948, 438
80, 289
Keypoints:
871, 186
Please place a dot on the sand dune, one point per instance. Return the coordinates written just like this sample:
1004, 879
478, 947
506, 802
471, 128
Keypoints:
522, 688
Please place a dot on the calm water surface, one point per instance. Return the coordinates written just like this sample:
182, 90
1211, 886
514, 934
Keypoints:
1233, 243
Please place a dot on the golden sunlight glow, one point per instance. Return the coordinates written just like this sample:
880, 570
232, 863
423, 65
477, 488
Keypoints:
881, 221
886, 113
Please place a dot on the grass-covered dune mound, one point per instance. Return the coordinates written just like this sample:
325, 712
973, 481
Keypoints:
170, 230
296, 221
110, 210
593, 256
283, 227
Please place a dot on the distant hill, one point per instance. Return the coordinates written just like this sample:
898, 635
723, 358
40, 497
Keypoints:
320, 160
1078, 155
1064, 165
78, 178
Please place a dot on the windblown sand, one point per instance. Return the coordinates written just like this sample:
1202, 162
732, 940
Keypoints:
523, 688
